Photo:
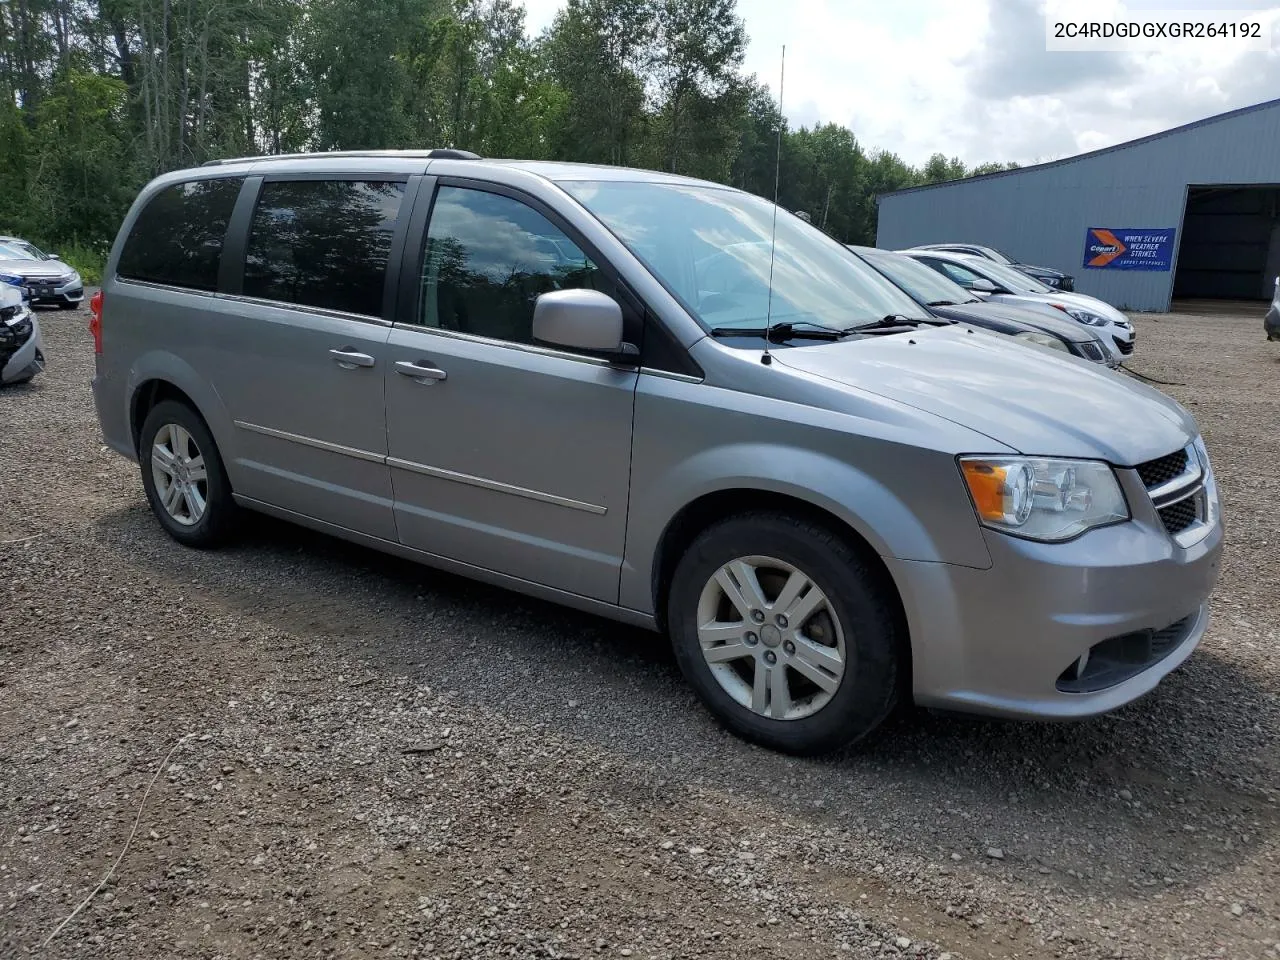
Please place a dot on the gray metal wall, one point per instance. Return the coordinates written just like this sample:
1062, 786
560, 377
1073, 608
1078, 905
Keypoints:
1040, 214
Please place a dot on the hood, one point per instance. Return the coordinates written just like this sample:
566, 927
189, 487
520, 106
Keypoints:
1023, 396
1093, 304
1044, 303
37, 269
1064, 328
10, 296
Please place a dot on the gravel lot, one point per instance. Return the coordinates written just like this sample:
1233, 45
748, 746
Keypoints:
563, 795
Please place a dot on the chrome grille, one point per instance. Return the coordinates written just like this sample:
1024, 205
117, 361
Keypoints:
1175, 483
1163, 469
1178, 516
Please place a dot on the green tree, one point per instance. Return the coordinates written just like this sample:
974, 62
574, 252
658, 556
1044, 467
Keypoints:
100, 95
78, 148
695, 88
595, 52
939, 168
359, 84
757, 147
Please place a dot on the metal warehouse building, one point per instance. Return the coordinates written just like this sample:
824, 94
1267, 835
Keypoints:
1192, 212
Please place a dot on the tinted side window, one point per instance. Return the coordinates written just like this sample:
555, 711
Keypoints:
322, 243
177, 238
488, 258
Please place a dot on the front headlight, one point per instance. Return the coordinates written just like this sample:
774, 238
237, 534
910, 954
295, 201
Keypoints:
1043, 339
1043, 499
1083, 316
1212, 504
11, 278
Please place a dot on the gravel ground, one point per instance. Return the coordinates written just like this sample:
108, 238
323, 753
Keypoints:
362, 757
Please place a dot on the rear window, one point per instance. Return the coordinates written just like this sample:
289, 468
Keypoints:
177, 238
323, 243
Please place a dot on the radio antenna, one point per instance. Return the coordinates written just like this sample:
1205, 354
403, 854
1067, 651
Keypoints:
777, 182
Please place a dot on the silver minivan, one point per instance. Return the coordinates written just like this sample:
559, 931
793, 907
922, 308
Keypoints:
663, 401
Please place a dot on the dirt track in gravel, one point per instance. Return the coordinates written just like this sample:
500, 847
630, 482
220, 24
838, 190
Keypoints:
569, 797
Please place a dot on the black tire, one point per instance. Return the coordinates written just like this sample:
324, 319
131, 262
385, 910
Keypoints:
221, 514
860, 596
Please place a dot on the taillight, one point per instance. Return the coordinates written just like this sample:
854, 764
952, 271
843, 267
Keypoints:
95, 322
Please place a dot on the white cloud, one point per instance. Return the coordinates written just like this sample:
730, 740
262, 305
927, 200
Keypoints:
973, 79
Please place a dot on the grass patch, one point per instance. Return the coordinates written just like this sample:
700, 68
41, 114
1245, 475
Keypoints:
87, 259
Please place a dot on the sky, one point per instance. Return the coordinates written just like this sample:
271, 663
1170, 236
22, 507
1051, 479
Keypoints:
972, 78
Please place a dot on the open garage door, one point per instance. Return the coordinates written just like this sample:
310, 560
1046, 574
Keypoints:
1230, 246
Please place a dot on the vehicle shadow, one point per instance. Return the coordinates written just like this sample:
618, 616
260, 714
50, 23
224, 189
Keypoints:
31, 387
1145, 791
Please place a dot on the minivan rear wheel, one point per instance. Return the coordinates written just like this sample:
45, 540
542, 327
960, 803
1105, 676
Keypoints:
783, 629
183, 476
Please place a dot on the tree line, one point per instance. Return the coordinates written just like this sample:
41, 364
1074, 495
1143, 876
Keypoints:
102, 95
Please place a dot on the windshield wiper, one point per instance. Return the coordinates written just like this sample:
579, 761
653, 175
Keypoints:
804, 330
941, 303
899, 320
781, 332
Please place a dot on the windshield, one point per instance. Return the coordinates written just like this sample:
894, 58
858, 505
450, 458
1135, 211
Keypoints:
30, 248
710, 247
1011, 279
14, 252
995, 255
927, 286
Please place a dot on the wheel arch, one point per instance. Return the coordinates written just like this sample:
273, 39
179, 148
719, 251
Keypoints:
159, 376
712, 507
147, 396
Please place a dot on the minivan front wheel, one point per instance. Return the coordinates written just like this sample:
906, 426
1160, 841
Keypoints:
784, 631
183, 476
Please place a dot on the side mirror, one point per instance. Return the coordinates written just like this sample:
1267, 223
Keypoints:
584, 320
982, 285
52, 256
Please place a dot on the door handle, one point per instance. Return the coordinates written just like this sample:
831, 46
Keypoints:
422, 374
348, 358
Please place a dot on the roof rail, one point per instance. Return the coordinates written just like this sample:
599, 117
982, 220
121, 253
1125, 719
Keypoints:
442, 153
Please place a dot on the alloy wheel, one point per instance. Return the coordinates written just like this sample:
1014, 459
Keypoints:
771, 638
181, 479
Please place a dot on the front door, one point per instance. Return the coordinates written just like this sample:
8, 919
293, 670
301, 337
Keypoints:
503, 454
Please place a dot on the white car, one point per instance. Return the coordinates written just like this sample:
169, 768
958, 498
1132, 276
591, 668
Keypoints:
995, 281
42, 277
21, 349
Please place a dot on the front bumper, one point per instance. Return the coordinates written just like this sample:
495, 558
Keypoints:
38, 293
27, 360
1118, 340
1005, 640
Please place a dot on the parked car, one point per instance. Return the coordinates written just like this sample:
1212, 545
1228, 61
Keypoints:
1046, 275
944, 298
42, 277
994, 281
1271, 323
21, 349
829, 498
